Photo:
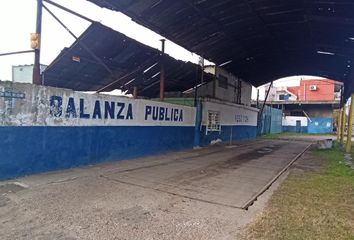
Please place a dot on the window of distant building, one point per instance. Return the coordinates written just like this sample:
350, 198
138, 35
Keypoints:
281, 97
223, 81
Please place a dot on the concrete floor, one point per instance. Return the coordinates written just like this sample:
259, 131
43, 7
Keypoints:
194, 194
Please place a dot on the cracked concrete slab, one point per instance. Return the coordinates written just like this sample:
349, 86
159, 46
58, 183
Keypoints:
95, 202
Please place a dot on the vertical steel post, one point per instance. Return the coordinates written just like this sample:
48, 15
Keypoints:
162, 71
342, 132
214, 81
198, 123
135, 92
339, 125
348, 148
202, 66
36, 77
196, 86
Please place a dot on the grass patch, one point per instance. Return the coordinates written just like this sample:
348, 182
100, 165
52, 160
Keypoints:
311, 205
288, 134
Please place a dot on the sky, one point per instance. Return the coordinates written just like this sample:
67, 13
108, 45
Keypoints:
18, 20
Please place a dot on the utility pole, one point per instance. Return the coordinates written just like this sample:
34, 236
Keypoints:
201, 63
36, 79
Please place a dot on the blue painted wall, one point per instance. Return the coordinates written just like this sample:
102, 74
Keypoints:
292, 129
28, 150
316, 126
236, 133
271, 121
73, 128
320, 125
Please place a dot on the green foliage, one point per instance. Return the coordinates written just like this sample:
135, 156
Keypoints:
312, 204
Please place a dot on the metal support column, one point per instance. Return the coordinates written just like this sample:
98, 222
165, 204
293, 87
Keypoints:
348, 148
36, 78
135, 92
162, 71
339, 125
198, 124
214, 81
342, 132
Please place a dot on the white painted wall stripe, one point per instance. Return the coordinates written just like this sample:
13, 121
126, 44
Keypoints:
231, 114
48, 106
291, 121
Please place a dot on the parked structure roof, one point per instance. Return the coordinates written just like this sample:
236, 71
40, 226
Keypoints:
262, 40
131, 64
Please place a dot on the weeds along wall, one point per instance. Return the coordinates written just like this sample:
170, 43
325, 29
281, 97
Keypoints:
45, 128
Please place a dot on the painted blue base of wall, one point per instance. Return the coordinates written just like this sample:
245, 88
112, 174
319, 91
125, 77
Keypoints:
294, 129
320, 125
236, 133
28, 150
315, 126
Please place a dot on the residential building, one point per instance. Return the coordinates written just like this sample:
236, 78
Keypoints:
308, 107
24, 73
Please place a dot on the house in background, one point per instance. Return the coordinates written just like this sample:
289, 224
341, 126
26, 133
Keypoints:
308, 107
24, 73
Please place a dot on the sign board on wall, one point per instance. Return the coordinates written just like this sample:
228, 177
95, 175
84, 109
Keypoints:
231, 114
47, 106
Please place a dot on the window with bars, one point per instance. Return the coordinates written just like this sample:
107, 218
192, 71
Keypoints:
213, 121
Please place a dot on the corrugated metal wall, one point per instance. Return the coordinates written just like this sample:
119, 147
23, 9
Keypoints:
270, 121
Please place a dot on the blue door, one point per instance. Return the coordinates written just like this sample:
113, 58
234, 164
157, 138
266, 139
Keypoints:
298, 126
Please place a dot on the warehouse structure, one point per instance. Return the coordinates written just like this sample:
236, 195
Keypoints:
254, 42
74, 128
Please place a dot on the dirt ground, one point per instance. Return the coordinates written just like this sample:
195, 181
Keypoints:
95, 203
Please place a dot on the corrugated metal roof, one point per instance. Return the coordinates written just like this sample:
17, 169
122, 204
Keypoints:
132, 64
264, 39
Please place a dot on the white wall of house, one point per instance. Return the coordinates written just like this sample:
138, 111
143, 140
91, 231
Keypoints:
24, 73
291, 121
